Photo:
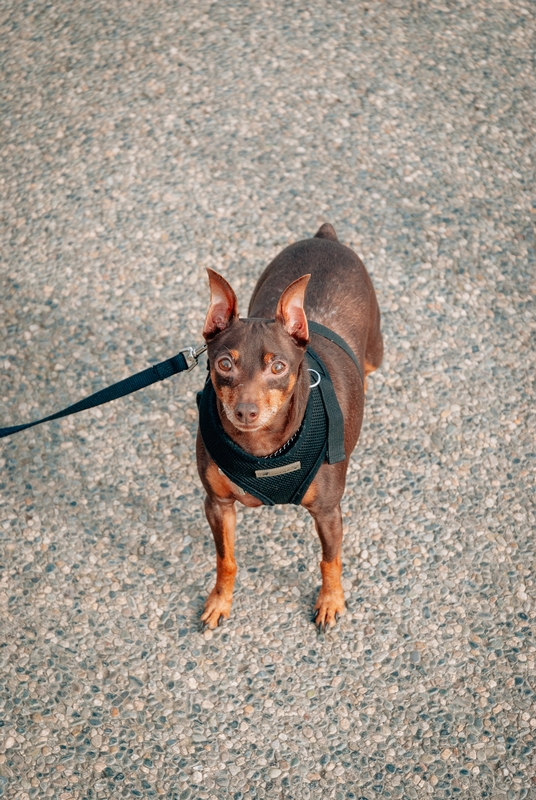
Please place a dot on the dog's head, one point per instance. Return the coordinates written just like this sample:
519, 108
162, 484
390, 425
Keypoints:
254, 363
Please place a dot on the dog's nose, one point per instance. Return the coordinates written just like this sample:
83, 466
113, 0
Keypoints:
246, 412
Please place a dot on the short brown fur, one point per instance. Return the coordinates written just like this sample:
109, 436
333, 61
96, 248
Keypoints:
261, 407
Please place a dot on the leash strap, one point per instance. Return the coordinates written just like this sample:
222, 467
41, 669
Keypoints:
182, 362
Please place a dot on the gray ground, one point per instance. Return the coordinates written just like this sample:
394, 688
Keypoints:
142, 142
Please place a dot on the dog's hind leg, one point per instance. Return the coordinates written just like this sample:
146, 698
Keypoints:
374, 346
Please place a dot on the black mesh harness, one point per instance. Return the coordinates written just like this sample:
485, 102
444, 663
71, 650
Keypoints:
285, 476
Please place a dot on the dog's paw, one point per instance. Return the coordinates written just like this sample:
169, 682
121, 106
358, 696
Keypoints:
329, 607
217, 608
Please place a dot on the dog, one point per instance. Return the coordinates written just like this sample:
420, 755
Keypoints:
282, 408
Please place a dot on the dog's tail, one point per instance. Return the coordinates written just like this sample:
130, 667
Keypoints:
326, 231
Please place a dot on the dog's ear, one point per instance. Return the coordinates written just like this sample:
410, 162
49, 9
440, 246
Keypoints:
290, 311
223, 309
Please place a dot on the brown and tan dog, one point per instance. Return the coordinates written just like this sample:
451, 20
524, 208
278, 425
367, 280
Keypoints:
262, 383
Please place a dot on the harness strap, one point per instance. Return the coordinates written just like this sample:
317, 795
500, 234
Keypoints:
334, 417
158, 372
327, 333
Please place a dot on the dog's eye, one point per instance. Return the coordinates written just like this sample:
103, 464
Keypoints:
278, 367
225, 364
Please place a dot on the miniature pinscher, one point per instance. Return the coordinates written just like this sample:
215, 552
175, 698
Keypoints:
260, 380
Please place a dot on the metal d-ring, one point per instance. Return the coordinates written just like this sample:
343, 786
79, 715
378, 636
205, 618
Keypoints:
312, 385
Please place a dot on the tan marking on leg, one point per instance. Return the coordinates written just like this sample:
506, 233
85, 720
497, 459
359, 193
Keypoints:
219, 483
368, 369
330, 604
310, 495
220, 599
225, 488
222, 520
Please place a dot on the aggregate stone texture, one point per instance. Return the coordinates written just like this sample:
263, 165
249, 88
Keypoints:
142, 142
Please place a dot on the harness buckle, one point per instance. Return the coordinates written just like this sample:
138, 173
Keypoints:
191, 354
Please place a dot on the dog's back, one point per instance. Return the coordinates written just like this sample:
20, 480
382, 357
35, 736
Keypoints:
339, 295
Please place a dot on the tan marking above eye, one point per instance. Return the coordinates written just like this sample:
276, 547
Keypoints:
268, 357
234, 354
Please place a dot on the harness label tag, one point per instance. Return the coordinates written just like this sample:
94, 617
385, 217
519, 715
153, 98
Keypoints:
267, 473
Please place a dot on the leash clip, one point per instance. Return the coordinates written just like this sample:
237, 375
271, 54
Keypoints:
191, 354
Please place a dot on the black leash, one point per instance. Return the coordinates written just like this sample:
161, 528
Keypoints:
184, 361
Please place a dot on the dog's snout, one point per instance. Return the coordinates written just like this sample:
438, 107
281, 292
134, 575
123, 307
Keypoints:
246, 413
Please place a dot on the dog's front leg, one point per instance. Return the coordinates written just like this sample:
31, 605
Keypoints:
221, 516
330, 603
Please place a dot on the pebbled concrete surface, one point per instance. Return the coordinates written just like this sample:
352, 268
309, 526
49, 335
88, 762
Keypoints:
141, 143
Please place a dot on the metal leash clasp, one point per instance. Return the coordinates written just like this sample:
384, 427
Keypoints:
191, 354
